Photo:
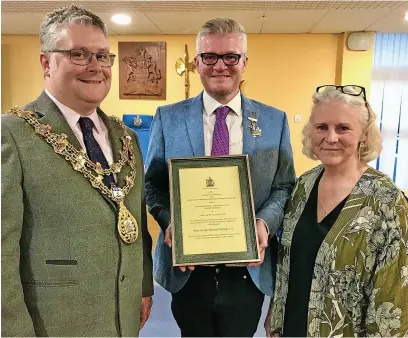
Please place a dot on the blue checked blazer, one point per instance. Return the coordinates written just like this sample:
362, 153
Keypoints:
177, 131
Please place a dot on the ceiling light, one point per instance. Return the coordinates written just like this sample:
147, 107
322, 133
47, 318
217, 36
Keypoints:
406, 16
121, 19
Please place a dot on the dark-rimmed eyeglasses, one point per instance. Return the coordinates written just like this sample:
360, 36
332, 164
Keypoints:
83, 57
230, 59
352, 90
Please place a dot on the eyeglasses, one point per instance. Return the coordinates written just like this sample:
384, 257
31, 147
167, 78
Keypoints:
210, 59
83, 57
352, 90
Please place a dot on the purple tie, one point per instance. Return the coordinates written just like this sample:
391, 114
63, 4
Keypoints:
220, 141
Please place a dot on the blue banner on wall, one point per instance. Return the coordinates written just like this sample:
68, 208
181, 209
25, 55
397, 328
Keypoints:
141, 125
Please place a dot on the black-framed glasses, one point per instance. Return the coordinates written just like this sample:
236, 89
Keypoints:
352, 90
83, 57
230, 59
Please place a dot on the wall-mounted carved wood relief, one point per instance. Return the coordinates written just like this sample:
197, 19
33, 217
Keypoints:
142, 70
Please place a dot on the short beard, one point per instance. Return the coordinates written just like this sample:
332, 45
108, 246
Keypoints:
220, 95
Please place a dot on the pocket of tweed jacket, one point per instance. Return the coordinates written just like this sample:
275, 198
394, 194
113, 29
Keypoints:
61, 261
52, 273
52, 283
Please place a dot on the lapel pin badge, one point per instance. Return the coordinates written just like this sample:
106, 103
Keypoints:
253, 126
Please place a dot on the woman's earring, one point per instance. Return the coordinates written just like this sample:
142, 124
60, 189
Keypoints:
361, 146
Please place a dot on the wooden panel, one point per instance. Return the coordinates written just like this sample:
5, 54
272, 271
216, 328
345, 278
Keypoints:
142, 70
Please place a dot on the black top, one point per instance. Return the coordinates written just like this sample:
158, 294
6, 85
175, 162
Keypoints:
306, 241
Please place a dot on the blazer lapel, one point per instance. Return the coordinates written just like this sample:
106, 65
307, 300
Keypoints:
354, 203
115, 135
248, 110
193, 114
49, 113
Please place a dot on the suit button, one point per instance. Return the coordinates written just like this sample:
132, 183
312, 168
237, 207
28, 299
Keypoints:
122, 278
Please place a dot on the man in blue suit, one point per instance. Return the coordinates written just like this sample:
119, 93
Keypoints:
220, 300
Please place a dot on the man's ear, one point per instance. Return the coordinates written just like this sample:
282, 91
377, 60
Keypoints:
45, 64
197, 64
246, 60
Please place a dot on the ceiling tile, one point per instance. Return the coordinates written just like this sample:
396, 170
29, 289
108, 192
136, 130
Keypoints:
190, 23
392, 23
140, 23
346, 20
299, 21
185, 17
21, 23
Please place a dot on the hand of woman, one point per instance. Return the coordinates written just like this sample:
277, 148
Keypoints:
267, 326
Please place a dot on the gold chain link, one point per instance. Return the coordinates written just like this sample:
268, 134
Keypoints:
79, 159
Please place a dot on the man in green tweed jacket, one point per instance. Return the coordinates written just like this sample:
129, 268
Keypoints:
76, 253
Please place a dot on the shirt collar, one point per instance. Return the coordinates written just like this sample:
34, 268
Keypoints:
72, 116
210, 104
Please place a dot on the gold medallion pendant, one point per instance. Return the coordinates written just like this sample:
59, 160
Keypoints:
127, 225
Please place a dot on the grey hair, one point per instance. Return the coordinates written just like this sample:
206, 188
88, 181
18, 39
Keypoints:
371, 145
54, 22
221, 26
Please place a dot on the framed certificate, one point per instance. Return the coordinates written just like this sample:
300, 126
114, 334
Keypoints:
212, 211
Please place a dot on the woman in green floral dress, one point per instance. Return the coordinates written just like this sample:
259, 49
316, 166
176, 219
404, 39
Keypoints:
343, 258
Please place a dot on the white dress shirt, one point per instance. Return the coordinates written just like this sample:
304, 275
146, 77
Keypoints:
234, 123
100, 131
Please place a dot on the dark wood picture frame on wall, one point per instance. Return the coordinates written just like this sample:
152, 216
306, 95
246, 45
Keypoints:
142, 70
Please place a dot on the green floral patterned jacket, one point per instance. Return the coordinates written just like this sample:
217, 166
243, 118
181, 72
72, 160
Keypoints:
360, 281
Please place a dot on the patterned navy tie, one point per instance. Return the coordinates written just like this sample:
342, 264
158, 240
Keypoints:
93, 149
220, 141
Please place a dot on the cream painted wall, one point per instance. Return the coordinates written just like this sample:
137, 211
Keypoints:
21, 75
354, 67
283, 71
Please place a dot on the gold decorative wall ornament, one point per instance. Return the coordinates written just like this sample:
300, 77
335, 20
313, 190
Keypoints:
184, 66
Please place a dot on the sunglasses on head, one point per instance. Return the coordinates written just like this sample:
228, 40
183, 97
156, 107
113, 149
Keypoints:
352, 90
